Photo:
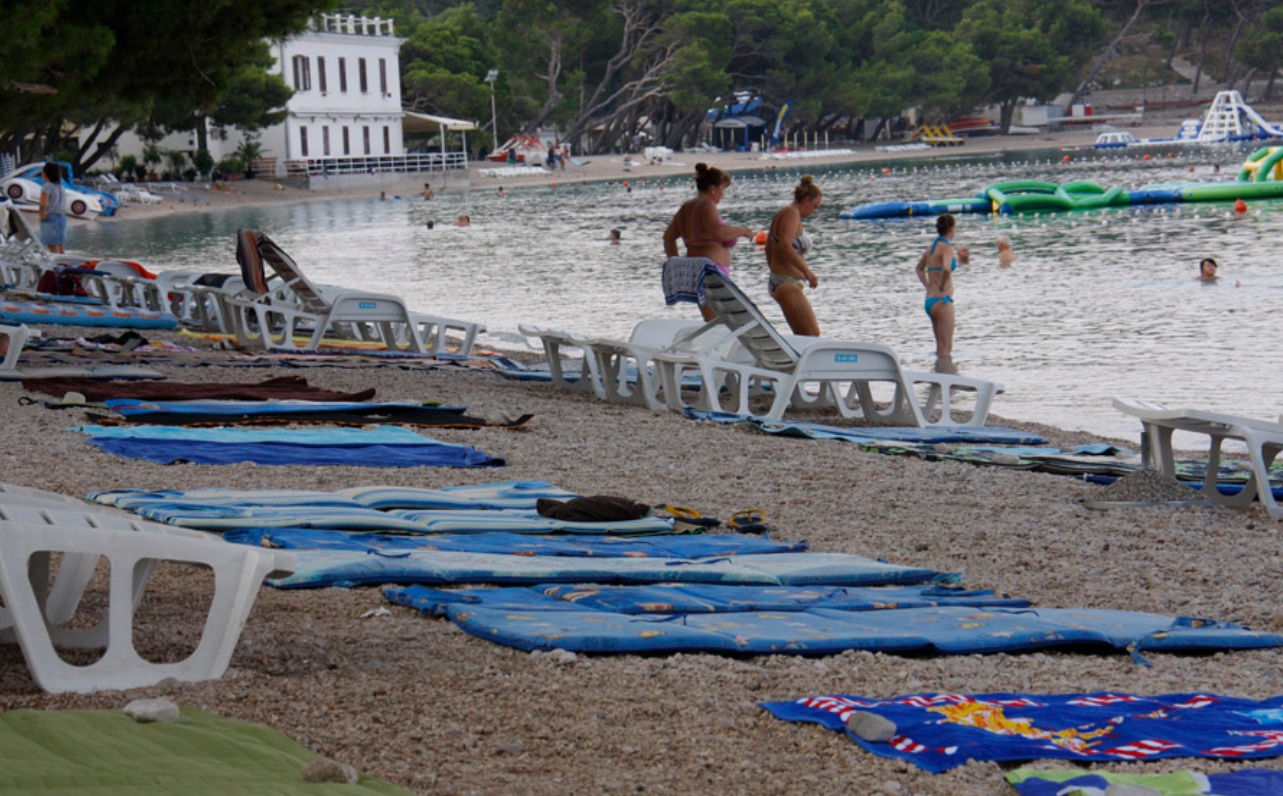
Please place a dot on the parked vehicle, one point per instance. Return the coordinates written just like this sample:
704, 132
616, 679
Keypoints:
22, 187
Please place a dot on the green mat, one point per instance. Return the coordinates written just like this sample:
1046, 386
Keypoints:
99, 752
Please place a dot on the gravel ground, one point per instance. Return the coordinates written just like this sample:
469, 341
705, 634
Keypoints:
418, 702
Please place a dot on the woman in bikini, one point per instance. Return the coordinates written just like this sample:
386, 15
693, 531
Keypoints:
935, 272
786, 248
698, 224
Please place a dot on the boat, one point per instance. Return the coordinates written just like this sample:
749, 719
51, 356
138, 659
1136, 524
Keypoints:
1114, 141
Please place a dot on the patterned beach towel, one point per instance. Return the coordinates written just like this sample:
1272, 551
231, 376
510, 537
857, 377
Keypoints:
938, 732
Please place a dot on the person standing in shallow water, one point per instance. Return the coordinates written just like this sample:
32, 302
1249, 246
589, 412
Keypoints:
786, 247
935, 272
698, 224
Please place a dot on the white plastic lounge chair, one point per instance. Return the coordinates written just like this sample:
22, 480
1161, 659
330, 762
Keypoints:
297, 314
843, 371
627, 368
38, 599
1264, 441
556, 343
17, 335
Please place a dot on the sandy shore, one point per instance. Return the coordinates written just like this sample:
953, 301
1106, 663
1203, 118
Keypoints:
420, 703
203, 197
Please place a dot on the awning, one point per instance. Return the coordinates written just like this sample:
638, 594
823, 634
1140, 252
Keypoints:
740, 122
415, 122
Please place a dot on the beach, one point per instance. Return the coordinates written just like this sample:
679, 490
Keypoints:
418, 702
203, 197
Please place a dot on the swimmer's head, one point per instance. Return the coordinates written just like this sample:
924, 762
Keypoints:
1207, 267
1004, 243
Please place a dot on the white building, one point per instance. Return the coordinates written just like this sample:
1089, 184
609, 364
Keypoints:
346, 76
345, 117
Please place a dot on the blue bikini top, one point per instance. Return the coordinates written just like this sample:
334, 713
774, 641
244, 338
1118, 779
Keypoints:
953, 266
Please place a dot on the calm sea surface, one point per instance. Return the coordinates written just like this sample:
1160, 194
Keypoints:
1098, 304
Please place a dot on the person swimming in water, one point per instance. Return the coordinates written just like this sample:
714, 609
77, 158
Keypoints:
786, 247
935, 272
1207, 270
698, 224
1006, 256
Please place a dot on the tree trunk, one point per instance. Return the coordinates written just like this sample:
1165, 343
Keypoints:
1109, 52
1202, 52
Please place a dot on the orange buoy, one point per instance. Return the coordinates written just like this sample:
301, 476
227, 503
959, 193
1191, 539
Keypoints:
1145, 158
1065, 159
760, 237
1240, 206
886, 170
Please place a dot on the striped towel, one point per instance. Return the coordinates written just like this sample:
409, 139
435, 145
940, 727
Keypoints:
683, 279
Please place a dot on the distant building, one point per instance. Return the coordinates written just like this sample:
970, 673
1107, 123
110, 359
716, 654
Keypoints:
345, 117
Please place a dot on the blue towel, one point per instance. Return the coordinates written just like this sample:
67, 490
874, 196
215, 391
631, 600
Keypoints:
172, 451
940, 731
683, 279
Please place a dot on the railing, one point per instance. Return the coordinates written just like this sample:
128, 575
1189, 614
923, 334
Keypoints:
325, 167
353, 25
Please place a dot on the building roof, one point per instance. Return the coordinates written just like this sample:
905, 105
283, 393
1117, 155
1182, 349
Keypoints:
415, 122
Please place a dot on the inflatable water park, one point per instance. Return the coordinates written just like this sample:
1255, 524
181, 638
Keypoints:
1229, 120
1260, 178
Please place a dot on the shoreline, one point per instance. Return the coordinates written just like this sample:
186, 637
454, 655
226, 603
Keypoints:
200, 197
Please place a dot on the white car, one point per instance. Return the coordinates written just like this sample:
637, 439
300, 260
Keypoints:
22, 187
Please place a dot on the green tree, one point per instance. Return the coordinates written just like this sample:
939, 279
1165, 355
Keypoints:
1262, 46
179, 57
1033, 48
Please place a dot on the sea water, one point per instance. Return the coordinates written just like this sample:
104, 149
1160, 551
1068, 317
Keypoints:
1098, 304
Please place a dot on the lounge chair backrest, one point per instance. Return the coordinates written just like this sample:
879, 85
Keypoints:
752, 330
256, 253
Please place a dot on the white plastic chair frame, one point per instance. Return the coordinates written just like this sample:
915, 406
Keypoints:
38, 599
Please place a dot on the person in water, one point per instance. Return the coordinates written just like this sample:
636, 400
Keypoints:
1006, 256
1207, 270
615, 237
935, 272
786, 247
698, 224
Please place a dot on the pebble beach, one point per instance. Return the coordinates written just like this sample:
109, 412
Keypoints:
417, 702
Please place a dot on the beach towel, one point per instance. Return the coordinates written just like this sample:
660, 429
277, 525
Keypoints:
683, 279
828, 626
428, 454
317, 568
1074, 782
281, 387
861, 434
503, 542
107, 753
693, 598
261, 413
940, 731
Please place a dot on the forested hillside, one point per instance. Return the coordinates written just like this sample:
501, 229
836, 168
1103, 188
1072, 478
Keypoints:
599, 70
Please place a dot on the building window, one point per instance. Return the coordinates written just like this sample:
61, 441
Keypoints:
347, 141
302, 140
362, 81
343, 75
387, 140
365, 133
320, 74
325, 141
302, 73
383, 76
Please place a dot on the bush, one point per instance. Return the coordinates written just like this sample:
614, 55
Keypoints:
127, 167
203, 161
190, 174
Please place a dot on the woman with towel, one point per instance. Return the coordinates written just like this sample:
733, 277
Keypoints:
698, 224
